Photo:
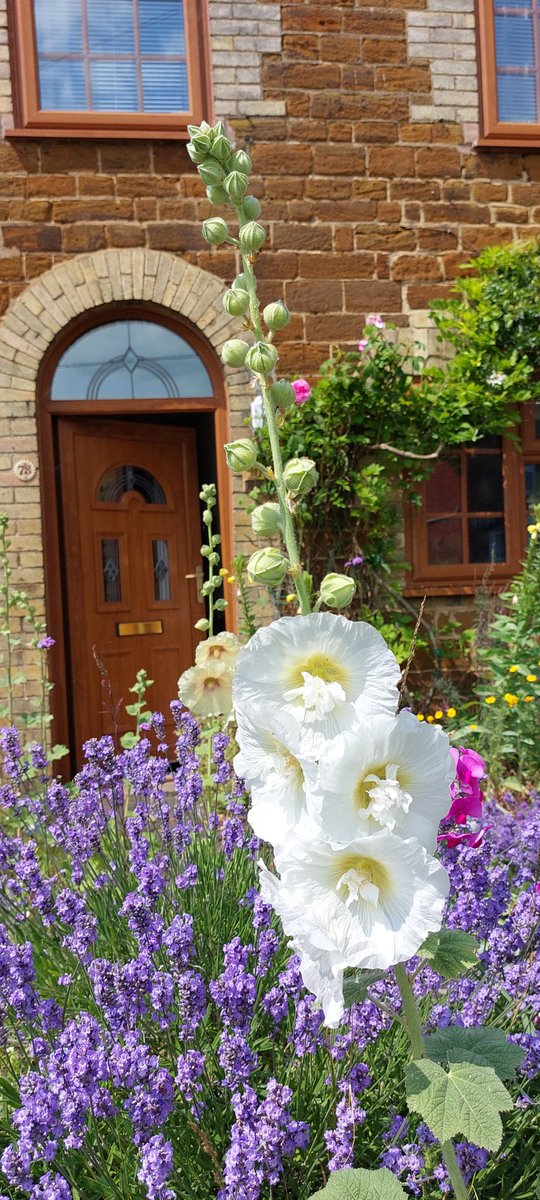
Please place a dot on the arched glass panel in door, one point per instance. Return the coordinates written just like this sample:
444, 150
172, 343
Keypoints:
130, 360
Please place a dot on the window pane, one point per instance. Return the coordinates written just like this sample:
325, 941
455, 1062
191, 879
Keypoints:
486, 540
532, 488
514, 41
130, 360
516, 95
119, 480
162, 579
443, 488
484, 483
58, 26
110, 561
62, 85
444, 540
165, 87
114, 87
161, 32
110, 27
536, 412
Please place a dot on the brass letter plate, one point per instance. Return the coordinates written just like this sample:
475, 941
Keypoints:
131, 628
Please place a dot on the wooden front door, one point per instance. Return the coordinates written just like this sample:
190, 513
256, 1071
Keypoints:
131, 526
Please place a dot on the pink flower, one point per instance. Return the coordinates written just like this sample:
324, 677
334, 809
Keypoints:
376, 320
302, 389
465, 790
362, 345
471, 839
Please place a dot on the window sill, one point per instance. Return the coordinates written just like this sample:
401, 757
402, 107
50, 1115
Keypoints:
101, 132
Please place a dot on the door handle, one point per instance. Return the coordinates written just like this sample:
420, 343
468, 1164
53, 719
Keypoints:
197, 574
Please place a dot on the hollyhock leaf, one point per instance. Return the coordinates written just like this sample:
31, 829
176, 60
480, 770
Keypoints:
467, 1099
450, 952
362, 1185
485, 1045
356, 987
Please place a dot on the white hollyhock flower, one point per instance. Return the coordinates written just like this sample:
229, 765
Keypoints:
207, 689
277, 774
390, 772
323, 670
223, 648
366, 903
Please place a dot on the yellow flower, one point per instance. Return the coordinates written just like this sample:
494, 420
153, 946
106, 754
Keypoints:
223, 571
513, 669
471, 727
438, 714
290, 598
231, 579
450, 712
527, 699
532, 678
419, 716
510, 699
431, 720
491, 699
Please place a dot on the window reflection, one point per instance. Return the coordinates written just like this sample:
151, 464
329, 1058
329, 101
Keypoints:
130, 360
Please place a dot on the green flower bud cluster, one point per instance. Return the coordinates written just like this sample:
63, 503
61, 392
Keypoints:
210, 553
224, 170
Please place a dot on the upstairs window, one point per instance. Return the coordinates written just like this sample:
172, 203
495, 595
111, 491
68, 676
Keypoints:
509, 72
128, 67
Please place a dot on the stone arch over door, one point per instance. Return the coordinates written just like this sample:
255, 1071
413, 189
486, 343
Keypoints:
34, 322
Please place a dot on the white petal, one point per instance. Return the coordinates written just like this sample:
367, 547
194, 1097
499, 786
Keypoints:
275, 770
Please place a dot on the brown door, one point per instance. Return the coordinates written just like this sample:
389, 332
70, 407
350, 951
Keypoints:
131, 527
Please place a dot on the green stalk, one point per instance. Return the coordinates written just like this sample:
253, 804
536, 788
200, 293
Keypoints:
289, 532
4, 543
414, 1030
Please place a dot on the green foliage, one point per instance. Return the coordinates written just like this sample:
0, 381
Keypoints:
361, 1185
356, 986
508, 657
137, 709
450, 952
486, 1045
467, 1099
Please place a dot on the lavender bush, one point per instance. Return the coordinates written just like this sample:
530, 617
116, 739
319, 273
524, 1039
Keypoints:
156, 1039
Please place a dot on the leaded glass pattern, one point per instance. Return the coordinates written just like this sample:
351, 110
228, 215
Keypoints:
162, 578
110, 562
125, 56
130, 360
128, 478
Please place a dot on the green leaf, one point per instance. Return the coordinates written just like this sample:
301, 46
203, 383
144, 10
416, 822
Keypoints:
57, 751
362, 1185
356, 986
537, 1188
450, 952
129, 740
485, 1045
465, 1100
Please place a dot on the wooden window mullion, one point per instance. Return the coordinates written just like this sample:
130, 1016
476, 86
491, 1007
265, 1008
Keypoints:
138, 60
86, 54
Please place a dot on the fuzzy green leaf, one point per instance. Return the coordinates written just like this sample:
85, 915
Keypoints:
356, 986
466, 1100
487, 1046
361, 1185
450, 952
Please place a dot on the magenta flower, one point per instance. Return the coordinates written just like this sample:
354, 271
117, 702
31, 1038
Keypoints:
302, 389
471, 839
46, 643
376, 320
362, 345
465, 790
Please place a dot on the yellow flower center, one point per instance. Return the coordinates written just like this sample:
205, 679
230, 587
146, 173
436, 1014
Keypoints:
358, 877
323, 667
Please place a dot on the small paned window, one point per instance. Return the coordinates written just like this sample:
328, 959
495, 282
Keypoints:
509, 71
127, 66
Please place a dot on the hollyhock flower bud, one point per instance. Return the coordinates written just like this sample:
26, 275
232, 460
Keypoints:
215, 231
241, 282
211, 172
262, 358
240, 161
302, 390
234, 352
265, 519
236, 185
241, 455
336, 590
300, 475
268, 566
221, 148
276, 315
199, 148
251, 208
217, 194
251, 237
236, 302
282, 393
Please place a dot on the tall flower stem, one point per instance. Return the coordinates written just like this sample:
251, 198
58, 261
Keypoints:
414, 1030
287, 523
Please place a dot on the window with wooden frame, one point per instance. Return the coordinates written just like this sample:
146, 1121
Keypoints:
509, 72
129, 68
472, 521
